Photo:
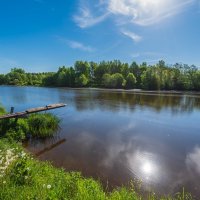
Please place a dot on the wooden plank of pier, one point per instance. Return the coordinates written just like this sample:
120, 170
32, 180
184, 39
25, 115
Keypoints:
32, 110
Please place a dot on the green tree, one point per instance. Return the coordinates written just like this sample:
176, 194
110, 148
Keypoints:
101, 69
16, 76
130, 81
2, 79
82, 80
150, 79
106, 80
117, 81
82, 68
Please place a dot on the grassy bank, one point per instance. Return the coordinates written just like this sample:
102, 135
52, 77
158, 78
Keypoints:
24, 177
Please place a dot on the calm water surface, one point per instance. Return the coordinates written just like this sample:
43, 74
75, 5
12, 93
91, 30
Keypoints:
120, 136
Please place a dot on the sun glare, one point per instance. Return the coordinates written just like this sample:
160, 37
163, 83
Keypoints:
147, 168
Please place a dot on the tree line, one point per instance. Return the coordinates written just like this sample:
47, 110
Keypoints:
111, 74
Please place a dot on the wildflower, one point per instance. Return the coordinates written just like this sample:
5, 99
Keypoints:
4, 182
23, 154
48, 186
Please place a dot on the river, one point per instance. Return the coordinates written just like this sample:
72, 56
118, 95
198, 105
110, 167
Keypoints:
118, 136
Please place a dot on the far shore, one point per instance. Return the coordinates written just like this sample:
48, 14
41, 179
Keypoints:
133, 91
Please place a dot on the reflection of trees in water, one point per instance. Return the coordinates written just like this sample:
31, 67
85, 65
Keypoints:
15, 95
116, 101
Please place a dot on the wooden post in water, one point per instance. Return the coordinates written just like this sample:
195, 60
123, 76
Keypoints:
12, 110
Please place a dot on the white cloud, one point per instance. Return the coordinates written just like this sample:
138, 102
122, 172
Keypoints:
86, 18
132, 35
140, 12
147, 12
75, 44
129, 12
80, 46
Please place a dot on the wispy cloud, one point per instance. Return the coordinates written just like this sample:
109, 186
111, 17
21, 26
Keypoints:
80, 46
132, 35
140, 12
85, 18
147, 12
126, 13
75, 44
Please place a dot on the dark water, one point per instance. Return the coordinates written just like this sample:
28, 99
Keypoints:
120, 136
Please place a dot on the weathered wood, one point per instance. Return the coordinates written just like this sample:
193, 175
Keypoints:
32, 110
12, 110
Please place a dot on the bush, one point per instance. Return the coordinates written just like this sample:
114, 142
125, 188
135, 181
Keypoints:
36, 125
43, 125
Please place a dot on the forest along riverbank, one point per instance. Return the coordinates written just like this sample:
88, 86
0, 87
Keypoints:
112, 74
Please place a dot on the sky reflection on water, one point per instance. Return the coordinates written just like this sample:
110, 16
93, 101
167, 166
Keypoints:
119, 136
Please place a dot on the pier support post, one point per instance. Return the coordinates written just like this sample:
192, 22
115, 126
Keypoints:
12, 110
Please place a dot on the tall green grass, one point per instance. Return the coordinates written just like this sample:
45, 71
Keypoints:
43, 125
36, 125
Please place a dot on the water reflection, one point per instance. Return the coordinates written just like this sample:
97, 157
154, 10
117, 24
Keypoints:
193, 160
115, 101
119, 136
144, 166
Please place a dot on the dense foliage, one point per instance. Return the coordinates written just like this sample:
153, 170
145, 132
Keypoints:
112, 74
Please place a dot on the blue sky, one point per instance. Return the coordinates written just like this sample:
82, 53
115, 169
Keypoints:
41, 35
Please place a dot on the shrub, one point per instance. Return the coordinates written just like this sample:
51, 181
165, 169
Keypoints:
43, 125
36, 125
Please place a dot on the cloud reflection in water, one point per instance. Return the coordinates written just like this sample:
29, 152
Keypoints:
193, 160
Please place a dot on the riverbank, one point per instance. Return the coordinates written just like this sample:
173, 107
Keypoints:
140, 91
131, 91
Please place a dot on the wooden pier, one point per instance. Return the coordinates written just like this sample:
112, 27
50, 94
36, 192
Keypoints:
32, 110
